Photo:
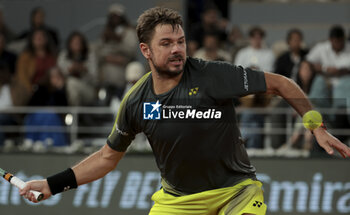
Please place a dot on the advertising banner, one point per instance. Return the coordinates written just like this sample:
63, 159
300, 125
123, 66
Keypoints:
291, 186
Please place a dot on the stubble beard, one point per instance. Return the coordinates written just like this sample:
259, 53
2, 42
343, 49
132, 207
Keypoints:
164, 72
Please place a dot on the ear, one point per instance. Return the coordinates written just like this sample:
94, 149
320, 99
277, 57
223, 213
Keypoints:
145, 50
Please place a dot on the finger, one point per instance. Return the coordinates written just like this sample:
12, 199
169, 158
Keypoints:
327, 147
32, 198
27, 195
341, 148
25, 189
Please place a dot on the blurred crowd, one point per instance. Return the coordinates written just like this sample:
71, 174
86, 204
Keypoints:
39, 69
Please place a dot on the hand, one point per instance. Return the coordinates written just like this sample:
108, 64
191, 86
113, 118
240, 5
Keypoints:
37, 185
328, 142
332, 71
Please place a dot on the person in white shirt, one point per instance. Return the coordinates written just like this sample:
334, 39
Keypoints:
79, 65
256, 55
331, 62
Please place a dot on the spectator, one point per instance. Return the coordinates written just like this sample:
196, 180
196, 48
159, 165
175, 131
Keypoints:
288, 63
305, 75
79, 65
235, 41
4, 29
52, 93
116, 49
210, 23
35, 61
330, 60
134, 71
37, 21
255, 56
211, 49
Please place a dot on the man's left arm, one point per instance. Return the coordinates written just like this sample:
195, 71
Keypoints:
291, 92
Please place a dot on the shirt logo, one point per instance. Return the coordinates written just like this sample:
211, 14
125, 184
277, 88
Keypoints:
193, 91
151, 110
245, 80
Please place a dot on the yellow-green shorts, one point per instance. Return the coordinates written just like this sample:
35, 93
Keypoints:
245, 197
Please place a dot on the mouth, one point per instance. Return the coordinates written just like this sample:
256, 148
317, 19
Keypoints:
177, 60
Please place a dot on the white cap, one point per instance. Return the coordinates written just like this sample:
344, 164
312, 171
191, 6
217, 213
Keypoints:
134, 71
117, 9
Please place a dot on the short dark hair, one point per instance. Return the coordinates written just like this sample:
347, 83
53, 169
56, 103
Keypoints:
149, 19
337, 32
294, 31
256, 30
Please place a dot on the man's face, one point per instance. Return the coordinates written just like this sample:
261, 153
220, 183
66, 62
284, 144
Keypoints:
168, 50
338, 44
256, 40
294, 42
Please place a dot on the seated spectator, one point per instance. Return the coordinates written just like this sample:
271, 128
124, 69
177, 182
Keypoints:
288, 63
258, 57
211, 49
301, 138
35, 61
79, 65
134, 71
330, 60
305, 76
235, 41
51, 93
210, 23
116, 49
37, 21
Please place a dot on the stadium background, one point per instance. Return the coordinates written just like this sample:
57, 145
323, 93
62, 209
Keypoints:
293, 185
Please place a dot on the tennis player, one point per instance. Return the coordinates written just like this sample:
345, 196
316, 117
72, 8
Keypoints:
184, 106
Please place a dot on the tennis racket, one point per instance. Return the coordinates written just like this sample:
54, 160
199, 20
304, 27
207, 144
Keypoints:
19, 183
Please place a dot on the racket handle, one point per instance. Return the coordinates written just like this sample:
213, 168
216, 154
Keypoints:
21, 184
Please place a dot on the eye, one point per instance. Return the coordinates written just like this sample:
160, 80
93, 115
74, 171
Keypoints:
165, 44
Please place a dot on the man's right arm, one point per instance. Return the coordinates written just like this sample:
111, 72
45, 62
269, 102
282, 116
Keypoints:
92, 168
97, 165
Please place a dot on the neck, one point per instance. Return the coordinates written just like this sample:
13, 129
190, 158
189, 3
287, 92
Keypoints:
163, 84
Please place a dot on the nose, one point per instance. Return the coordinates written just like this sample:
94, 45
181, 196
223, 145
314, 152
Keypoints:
176, 48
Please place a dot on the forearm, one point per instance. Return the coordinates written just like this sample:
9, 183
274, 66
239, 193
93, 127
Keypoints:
97, 165
290, 91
